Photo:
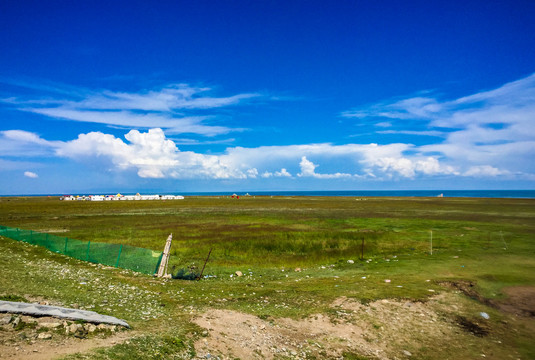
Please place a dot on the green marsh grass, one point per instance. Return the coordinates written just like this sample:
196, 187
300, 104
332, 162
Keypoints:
488, 241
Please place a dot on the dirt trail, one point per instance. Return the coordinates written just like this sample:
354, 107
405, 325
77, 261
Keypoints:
50, 349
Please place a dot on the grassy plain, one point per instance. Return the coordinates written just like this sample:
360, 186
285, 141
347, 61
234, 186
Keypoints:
488, 243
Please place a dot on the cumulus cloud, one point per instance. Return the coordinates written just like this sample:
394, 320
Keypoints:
308, 169
31, 175
150, 153
282, 173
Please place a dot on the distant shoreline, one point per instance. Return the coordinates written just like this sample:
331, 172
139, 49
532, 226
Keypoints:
519, 194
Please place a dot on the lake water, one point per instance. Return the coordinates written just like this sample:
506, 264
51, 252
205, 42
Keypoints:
529, 194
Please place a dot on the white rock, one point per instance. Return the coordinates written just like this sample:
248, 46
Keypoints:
44, 336
50, 325
350, 261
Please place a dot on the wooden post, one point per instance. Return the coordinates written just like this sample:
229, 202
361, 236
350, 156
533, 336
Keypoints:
504, 243
162, 271
431, 242
200, 276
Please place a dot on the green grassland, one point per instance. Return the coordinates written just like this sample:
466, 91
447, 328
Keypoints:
489, 242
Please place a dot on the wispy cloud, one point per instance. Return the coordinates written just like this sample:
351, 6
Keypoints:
414, 132
490, 129
175, 108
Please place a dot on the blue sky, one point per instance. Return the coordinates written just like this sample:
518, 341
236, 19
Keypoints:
181, 96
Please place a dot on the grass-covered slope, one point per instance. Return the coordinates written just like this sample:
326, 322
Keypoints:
487, 243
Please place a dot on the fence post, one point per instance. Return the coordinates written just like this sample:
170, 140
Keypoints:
87, 255
158, 264
119, 256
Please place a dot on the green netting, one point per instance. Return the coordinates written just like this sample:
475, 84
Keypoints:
123, 256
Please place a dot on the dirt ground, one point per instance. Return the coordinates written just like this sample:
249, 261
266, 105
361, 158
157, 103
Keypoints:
51, 349
375, 330
384, 329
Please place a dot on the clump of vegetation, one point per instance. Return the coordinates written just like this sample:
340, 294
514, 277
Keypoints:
14, 298
189, 273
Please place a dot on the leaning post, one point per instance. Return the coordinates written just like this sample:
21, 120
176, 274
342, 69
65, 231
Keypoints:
162, 271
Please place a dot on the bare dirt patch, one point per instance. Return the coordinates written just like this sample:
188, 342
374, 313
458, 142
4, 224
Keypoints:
39, 338
383, 329
520, 301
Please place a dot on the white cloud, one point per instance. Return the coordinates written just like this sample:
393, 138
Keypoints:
31, 175
414, 132
20, 143
493, 128
143, 109
308, 169
485, 170
152, 155
283, 173
384, 124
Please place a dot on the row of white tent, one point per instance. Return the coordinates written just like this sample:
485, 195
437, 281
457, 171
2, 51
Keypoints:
120, 197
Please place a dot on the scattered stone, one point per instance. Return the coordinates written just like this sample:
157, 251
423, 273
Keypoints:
238, 273
4, 320
91, 328
350, 261
16, 322
387, 280
73, 328
484, 315
297, 269
407, 353
44, 336
50, 325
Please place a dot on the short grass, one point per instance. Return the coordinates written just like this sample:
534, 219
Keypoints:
488, 241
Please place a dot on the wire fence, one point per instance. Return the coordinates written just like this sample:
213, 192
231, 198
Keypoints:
120, 256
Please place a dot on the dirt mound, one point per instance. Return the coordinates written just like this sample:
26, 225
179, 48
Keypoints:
383, 329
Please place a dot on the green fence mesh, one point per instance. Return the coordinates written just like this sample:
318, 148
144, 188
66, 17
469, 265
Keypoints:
123, 256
